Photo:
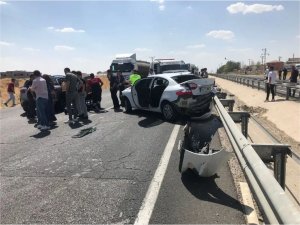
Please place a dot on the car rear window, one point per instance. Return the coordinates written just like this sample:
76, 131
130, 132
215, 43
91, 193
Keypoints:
182, 78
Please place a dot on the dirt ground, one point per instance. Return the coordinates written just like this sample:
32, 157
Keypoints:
20, 82
281, 118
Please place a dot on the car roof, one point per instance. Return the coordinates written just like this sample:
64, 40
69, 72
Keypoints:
169, 75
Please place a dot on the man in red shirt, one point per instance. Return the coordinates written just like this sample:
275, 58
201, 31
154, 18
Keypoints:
95, 86
11, 92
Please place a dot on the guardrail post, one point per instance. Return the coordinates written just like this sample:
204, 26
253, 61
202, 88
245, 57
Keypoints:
244, 126
280, 168
288, 90
247, 83
258, 86
252, 83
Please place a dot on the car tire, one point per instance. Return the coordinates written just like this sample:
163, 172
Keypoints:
128, 107
168, 111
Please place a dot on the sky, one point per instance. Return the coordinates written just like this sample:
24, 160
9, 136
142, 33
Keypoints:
86, 35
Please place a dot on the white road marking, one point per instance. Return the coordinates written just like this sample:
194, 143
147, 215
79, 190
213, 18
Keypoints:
249, 209
149, 201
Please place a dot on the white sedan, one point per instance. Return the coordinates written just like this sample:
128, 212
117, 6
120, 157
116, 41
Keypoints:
171, 94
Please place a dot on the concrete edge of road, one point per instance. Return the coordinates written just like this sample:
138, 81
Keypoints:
146, 209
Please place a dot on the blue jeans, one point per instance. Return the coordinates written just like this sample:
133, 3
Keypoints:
41, 110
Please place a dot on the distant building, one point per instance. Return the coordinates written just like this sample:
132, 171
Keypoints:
15, 74
276, 64
293, 61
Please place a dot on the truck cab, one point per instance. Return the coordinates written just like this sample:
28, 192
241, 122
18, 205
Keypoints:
160, 66
126, 63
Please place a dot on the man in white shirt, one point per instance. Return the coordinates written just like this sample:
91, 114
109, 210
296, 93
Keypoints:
271, 84
39, 86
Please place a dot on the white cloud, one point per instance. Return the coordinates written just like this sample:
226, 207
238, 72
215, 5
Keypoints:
241, 7
221, 34
196, 46
189, 7
3, 3
66, 30
3, 43
142, 50
161, 7
63, 48
31, 49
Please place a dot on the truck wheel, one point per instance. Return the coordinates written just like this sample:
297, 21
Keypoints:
168, 111
128, 108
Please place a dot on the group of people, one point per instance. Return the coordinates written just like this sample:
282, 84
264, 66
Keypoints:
75, 92
271, 80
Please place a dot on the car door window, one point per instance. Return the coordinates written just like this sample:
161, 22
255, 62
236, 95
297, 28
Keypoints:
158, 87
143, 91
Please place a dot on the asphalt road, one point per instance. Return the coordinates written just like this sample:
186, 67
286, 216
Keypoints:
103, 177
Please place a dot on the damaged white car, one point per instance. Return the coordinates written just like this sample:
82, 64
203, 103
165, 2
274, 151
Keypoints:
171, 94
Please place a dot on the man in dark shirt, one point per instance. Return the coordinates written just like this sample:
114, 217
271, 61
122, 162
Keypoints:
293, 79
95, 86
117, 83
30, 113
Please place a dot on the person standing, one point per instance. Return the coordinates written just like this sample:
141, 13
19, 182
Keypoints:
82, 109
284, 70
51, 92
293, 79
95, 86
39, 87
134, 77
30, 113
114, 90
71, 95
280, 73
11, 92
121, 86
271, 84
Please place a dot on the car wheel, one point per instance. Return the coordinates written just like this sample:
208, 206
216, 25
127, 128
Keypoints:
168, 111
128, 108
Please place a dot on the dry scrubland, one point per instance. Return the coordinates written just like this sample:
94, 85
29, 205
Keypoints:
20, 82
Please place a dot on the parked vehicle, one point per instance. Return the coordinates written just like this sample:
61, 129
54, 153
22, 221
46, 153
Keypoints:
171, 94
58, 98
160, 66
126, 63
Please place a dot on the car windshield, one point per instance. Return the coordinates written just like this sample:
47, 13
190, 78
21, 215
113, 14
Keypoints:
171, 67
124, 67
182, 78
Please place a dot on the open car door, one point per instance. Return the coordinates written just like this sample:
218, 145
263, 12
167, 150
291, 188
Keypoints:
141, 92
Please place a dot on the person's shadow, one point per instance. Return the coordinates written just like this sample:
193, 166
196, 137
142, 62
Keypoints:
206, 189
41, 134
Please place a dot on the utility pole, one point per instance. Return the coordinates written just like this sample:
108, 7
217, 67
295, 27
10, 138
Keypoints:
279, 58
249, 61
264, 56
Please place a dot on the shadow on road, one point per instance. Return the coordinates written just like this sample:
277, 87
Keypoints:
42, 134
152, 119
206, 189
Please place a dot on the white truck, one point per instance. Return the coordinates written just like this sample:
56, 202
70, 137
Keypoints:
168, 66
126, 63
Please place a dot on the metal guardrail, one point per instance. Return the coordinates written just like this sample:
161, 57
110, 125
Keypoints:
276, 205
281, 87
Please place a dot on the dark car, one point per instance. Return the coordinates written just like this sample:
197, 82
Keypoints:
58, 97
